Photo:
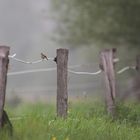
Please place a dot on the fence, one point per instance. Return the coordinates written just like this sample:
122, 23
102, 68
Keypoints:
106, 65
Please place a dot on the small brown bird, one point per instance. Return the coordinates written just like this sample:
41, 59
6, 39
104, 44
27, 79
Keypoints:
43, 56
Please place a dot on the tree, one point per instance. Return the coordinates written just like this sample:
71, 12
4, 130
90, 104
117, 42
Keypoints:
109, 21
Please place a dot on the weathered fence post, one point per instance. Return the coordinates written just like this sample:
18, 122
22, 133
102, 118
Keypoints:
62, 93
137, 78
138, 63
107, 65
4, 52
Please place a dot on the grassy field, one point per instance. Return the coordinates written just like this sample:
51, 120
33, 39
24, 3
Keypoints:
86, 121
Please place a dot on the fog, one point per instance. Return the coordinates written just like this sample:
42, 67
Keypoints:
27, 27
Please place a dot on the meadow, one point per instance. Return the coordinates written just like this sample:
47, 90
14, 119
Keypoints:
87, 120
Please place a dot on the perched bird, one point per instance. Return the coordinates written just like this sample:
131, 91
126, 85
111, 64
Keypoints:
43, 56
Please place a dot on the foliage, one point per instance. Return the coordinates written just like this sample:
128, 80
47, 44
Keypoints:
109, 21
86, 121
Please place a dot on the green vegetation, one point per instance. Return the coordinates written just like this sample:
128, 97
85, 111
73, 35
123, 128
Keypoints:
86, 121
111, 22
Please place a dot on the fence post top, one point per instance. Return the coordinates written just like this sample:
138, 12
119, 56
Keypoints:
62, 49
4, 51
4, 47
114, 50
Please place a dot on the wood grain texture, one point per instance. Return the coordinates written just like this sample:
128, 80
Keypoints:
62, 93
4, 52
107, 57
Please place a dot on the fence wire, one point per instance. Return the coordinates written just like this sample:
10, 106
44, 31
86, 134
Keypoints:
69, 70
84, 73
45, 58
126, 69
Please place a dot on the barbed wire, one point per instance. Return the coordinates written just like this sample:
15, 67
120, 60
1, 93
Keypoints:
45, 58
30, 71
85, 73
126, 69
51, 69
30, 62
69, 70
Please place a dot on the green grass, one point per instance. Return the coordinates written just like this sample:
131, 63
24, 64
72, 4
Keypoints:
86, 121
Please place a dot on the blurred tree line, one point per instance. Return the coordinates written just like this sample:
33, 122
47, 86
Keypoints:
103, 21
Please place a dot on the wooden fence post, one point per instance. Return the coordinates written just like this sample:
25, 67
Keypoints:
62, 93
107, 65
138, 63
4, 52
137, 78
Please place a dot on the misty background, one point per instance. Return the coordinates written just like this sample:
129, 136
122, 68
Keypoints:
30, 27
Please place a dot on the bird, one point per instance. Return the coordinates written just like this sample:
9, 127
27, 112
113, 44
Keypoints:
43, 56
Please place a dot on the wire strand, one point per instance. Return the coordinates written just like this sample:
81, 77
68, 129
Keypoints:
30, 71
69, 70
29, 62
125, 69
84, 73
45, 58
